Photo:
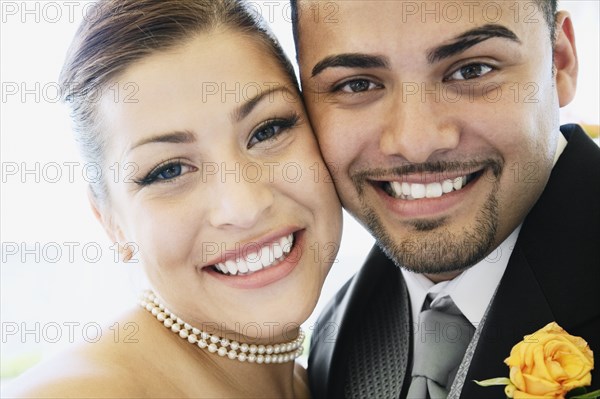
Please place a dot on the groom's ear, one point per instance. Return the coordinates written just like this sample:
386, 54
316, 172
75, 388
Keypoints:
565, 58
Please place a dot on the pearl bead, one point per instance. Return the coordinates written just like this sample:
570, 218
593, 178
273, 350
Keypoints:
278, 353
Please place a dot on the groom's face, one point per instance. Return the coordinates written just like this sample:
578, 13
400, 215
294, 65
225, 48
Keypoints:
439, 120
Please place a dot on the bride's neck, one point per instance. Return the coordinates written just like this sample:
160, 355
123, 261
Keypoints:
258, 380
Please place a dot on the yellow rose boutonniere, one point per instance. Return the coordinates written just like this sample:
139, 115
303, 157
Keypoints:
548, 364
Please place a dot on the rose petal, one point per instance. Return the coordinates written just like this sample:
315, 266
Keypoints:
540, 386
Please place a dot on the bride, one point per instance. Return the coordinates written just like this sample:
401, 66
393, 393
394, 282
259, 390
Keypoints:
218, 192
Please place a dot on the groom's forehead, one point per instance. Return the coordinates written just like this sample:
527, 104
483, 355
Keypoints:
322, 17
364, 25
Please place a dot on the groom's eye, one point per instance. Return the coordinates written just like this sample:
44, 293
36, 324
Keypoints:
357, 86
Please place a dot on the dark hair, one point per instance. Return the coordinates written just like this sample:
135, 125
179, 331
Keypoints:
121, 32
547, 7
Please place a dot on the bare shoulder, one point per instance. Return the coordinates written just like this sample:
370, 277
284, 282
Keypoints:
106, 368
73, 374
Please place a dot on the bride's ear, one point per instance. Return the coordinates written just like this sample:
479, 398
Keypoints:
107, 219
111, 226
565, 58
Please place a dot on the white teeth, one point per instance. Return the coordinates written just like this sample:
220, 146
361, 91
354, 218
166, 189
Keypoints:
417, 190
458, 183
286, 243
266, 256
242, 266
410, 191
433, 190
447, 186
396, 188
222, 268
253, 262
277, 251
231, 267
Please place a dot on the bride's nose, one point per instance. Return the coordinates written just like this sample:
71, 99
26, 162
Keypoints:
238, 201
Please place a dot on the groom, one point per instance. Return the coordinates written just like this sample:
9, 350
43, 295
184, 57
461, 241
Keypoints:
440, 121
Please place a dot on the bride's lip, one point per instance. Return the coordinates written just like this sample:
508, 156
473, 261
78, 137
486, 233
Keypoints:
242, 248
265, 276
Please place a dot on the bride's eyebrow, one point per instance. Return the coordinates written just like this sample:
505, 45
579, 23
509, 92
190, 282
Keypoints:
242, 111
468, 39
172, 137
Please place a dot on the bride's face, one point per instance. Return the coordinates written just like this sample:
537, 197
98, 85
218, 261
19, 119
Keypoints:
221, 186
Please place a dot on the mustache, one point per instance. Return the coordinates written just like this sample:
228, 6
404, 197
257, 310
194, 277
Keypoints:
495, 166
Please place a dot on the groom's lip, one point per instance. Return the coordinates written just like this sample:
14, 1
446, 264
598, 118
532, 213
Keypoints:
425, 207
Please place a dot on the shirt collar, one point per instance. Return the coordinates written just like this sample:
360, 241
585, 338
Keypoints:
472, 290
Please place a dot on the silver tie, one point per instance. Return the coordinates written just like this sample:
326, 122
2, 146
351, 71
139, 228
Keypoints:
441, 338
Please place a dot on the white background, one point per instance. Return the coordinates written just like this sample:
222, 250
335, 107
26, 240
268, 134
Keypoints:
35, 211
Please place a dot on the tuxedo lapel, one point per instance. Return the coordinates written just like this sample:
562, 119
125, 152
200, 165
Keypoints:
368, 317
380, 344
519, 308
556, 236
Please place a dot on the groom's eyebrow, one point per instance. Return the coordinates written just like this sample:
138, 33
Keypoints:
468, 39
350, 60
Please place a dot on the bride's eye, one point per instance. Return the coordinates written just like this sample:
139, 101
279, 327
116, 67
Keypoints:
357, 86
270, 130
470, 71
164, 172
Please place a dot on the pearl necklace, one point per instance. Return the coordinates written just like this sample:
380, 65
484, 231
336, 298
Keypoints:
278, 353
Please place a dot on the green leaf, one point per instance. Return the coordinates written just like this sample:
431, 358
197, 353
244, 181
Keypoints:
590, 395
576, 392
493, 381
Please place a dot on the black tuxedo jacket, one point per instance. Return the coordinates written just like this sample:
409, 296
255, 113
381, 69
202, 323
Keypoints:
553, 275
